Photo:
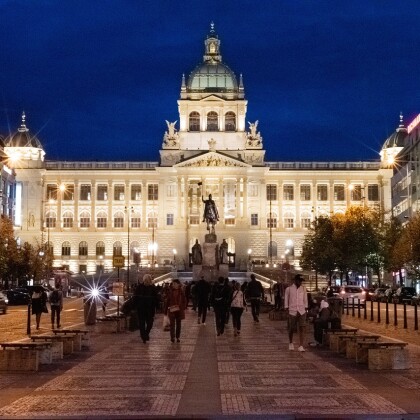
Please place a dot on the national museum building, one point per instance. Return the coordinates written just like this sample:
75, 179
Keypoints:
151, 212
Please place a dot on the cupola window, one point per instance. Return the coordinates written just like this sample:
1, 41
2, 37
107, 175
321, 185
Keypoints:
194, 121
230, 121
212, 121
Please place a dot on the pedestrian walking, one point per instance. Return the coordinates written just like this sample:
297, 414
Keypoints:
145, 301
278, 295
255, 293
39, 303
220, 301
237, 308
56, 304
296, 302
175, 308
202, 291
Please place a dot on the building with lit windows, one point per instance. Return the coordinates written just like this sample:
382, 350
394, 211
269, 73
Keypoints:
151, 212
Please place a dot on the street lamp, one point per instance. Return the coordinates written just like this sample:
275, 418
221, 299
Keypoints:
127, 211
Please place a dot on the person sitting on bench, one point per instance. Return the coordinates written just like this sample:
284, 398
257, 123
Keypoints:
321, 323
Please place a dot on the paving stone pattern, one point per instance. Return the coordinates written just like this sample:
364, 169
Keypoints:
204, 375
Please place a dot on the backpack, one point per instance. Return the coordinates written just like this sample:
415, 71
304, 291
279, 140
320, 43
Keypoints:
219, 294
55, 298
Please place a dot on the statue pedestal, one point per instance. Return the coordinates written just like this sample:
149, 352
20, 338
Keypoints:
210, 254
197, 270
224, 270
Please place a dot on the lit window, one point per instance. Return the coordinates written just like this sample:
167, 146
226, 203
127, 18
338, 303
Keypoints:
322, 192
288, 192
84, 219
271, 192
152, 220
67, 220
117, 249
194, 121
85, 192
272, 220
230, 121
194, 220
339, 193
68, 193
254, 219
152, 192
119, 192
52, 191
230, 221
135, 221
136, 192
170, 219
100, 248
212, 121
83, 249
101, 220
119, 220
102, 193
305, 192
373, 192
51, 219
65, 249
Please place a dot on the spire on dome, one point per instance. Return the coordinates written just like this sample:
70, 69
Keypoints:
212, 47
183, 86
401, 126
23, 128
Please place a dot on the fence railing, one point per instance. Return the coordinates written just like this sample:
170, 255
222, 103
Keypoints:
392, 312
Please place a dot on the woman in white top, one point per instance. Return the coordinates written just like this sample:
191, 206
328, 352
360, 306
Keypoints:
237, 307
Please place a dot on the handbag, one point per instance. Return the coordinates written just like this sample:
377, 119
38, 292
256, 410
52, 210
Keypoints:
173, 308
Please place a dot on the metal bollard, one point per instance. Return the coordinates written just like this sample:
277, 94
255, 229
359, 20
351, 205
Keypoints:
371, 310
405, 315
387, 313
416, 320
395, 314
365, 311
358, 308
347, 300
352, 307
379, 312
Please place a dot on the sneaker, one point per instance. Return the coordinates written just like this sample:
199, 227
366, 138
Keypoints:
314, 344
291, 346
204, 323
301, 348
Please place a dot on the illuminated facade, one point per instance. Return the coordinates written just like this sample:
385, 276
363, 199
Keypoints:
152, 211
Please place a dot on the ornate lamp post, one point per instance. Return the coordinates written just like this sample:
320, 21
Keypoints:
128, 210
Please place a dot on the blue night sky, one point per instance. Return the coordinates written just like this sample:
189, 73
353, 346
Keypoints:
97, 79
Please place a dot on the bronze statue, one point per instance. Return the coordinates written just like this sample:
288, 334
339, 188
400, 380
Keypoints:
197, 256
210, 214
223, 251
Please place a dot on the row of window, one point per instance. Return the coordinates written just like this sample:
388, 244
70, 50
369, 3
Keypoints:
212, 121
339, 192
102, 192
100, 249
102, 220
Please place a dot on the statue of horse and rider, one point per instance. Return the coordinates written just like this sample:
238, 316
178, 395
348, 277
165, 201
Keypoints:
210, 214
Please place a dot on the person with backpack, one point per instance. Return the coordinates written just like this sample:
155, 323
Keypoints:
56, 303
237, 307
220, 301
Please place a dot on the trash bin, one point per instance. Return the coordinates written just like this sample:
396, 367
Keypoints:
89, 311
336, 307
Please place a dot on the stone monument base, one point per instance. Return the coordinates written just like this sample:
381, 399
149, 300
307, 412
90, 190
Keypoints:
210, 250
210, 274
197, 271
223, 270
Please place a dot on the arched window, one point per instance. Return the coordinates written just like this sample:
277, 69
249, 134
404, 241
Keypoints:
117, 249
119, 219
152, 220
194, 124
101, 220
136, 220
65, 249
100, 248
212, 121
230, 121
51, 219
68, 219
289, 220
84, 219
272, 220
83, 249
272, 249
305, 220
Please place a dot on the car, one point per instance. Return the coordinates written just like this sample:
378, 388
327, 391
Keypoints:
379, 294
405, 294
18, 296
332, 291
3, 302
352, 294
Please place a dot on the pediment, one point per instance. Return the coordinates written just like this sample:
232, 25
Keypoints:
211, 98
211, 159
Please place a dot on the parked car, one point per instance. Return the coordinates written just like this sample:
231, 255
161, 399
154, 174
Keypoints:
348, 293
379, 294
405, 294
18, 296
3, 302
332, 291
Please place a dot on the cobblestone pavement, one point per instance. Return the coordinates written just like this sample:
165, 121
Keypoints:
205, 376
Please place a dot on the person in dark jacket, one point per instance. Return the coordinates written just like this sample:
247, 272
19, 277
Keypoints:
202, 290
255, 292
175, 305
146, 302
220, 300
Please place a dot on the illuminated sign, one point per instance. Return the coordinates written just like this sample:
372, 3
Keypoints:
413, 124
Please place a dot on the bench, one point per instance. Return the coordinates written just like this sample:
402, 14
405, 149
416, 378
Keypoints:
111, 324
330, 336
71, 342
84, 335
347, 343
381, 355
57, 344
24, 356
